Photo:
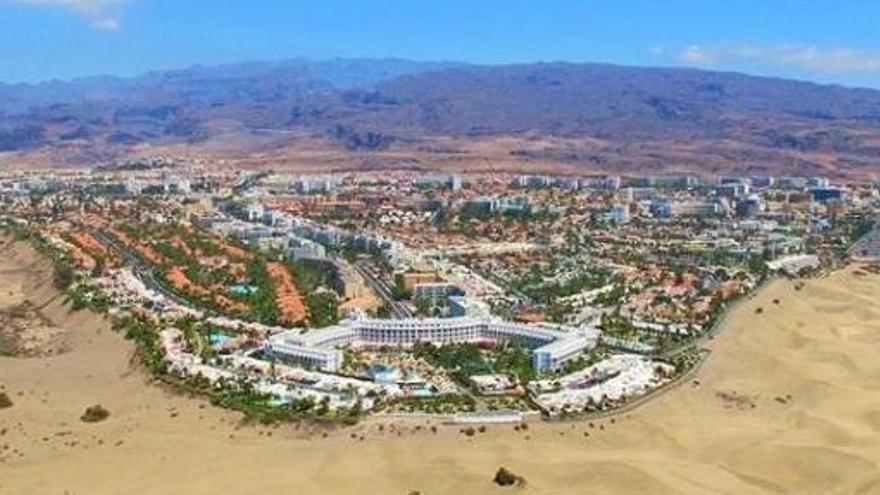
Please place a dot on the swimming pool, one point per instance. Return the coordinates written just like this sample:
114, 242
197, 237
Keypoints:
242, 289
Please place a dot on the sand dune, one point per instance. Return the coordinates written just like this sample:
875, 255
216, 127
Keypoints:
809, 366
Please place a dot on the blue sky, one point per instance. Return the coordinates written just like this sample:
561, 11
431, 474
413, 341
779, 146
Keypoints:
821, 40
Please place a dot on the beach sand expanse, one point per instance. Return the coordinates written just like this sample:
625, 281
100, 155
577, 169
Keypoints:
788, 402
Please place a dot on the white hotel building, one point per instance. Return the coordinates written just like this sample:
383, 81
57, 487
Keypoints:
551, 347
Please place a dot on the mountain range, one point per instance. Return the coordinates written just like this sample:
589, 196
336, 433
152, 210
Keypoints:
351, 113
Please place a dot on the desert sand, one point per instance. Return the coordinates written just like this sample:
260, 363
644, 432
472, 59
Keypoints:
788, 402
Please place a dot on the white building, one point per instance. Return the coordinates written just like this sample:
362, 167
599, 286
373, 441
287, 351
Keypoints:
794, 264
551, 347
255, 212
619, 214
455, 182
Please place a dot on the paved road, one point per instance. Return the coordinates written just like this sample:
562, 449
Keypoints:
398, 309
143, 272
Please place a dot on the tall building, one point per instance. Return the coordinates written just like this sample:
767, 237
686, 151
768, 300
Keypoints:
619, 214
532, 181
792, 183
826, 194
732, 190
749, 206
455, 182
763, 180
434, 293
818, 183
255, 212
611, 182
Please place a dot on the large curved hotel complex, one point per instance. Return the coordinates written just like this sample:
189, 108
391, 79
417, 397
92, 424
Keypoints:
550, 347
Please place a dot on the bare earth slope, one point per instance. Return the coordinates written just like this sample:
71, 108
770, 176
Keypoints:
789, 402
363, 114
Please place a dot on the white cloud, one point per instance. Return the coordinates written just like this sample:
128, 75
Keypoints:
107, 23
802, 57
102, 14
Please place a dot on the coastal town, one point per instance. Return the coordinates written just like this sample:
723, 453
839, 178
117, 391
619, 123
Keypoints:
468, 297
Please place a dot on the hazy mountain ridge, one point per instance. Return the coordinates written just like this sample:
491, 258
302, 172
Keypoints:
583, 97
372, 105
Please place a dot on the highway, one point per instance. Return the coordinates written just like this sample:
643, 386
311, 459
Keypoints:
397, 308
143, 272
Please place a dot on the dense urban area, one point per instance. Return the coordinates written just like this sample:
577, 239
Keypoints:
476, 298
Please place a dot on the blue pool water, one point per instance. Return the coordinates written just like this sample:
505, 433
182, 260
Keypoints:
423, 392
381, 373
242, 290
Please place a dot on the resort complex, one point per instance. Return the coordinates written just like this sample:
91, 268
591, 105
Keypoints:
551, 348
474, 298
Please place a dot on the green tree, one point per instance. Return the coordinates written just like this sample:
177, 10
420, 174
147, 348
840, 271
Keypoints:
62, 275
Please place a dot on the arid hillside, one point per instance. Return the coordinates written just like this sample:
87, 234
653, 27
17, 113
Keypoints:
392, 114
